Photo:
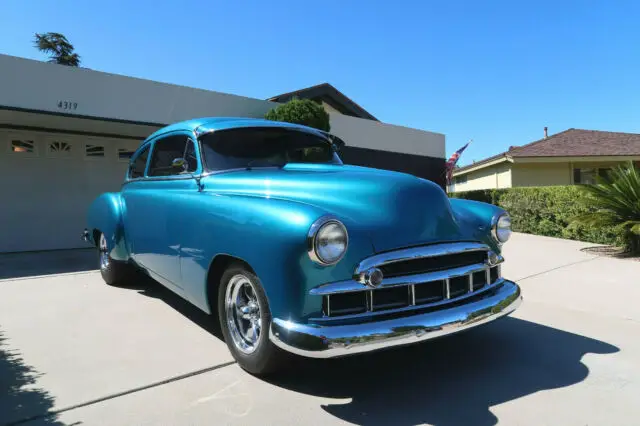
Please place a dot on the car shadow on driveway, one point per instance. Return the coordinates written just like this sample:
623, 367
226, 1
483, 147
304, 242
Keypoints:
146, 286
453, 380
449, 381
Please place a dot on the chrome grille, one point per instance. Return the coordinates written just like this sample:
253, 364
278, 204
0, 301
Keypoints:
430, 264
464, 271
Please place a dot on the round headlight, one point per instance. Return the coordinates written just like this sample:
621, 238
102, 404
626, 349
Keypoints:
502, 228
328, 241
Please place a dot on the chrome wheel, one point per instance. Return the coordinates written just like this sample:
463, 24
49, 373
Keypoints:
104, 253
243, 314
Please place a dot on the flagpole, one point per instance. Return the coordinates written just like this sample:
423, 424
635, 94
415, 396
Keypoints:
451, 163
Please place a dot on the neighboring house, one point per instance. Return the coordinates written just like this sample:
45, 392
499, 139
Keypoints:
66, 135
574, 156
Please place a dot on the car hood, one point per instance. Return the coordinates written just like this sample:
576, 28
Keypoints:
395, 209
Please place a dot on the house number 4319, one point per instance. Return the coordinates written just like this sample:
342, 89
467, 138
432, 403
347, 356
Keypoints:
67, 105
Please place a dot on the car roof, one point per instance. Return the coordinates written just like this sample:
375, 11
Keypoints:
208, 124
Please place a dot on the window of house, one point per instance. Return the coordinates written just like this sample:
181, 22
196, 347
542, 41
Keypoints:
94, 151
604, 172
59, 148
587, 176
26, 146
139, 164
168, 149
124, 154
461, 179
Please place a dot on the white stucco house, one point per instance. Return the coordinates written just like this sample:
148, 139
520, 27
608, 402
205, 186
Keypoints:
66, 135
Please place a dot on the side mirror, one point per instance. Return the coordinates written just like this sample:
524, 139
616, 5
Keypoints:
179, 163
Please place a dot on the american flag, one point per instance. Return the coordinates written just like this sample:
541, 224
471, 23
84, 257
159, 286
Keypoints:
451, 163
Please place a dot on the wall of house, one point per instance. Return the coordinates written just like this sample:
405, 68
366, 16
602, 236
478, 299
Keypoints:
537, 173
375, 144
371, 134
497, 176
35, 86
541, 174
329, 108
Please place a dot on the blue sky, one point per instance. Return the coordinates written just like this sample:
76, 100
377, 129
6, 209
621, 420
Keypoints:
496, 72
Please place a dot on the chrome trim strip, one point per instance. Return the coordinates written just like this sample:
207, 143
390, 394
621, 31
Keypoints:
328, 313
369, 314
470, 283
354, 285
418, 252
447, 289
334, 341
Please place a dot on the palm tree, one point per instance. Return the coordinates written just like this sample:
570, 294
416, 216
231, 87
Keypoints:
58, 48
615, 201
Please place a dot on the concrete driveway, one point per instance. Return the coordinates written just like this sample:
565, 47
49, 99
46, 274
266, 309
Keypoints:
92, 354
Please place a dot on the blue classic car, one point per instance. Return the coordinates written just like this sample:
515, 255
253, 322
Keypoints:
261, 224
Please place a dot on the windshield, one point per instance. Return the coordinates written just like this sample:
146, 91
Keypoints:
263, 147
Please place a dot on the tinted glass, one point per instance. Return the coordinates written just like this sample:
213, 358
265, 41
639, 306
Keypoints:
190, 156
139, 164
168, 149
262, 147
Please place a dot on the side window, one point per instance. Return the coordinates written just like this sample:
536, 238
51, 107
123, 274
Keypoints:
167, 150
190, 157
136, 169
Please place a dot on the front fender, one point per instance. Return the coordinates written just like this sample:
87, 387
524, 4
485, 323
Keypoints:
106, 216
271, 236
475, 217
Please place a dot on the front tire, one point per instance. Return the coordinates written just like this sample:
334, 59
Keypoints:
245, 319
113, 272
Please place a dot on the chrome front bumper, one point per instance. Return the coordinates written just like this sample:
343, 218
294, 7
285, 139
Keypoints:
341, 340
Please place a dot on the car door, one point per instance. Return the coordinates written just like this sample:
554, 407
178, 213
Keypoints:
154, 204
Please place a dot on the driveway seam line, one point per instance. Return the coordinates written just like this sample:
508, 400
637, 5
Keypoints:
34, 277
558, 267
122, 393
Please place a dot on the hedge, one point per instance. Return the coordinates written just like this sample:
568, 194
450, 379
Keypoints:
546, 211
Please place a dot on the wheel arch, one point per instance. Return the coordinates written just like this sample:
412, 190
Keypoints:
218, 265
106, 216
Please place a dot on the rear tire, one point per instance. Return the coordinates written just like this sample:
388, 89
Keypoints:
113, 272
245, 320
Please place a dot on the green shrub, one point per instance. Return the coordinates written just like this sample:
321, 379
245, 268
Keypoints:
301, 111
491, 196
548, 211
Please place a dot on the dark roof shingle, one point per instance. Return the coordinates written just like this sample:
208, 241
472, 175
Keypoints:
581, 143
574, 143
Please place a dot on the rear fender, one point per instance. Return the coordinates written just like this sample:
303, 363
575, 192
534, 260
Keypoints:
106, 216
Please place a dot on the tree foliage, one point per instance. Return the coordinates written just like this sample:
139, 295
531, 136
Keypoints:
58, 48
301, 111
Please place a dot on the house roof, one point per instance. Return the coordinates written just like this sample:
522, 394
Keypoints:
571, 143
329, 94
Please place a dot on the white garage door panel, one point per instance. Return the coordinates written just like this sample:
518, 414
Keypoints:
45, 195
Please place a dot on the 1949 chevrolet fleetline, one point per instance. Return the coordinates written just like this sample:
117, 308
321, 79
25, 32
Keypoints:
261, 223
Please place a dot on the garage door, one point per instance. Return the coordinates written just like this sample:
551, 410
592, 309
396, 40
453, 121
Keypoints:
47, 182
